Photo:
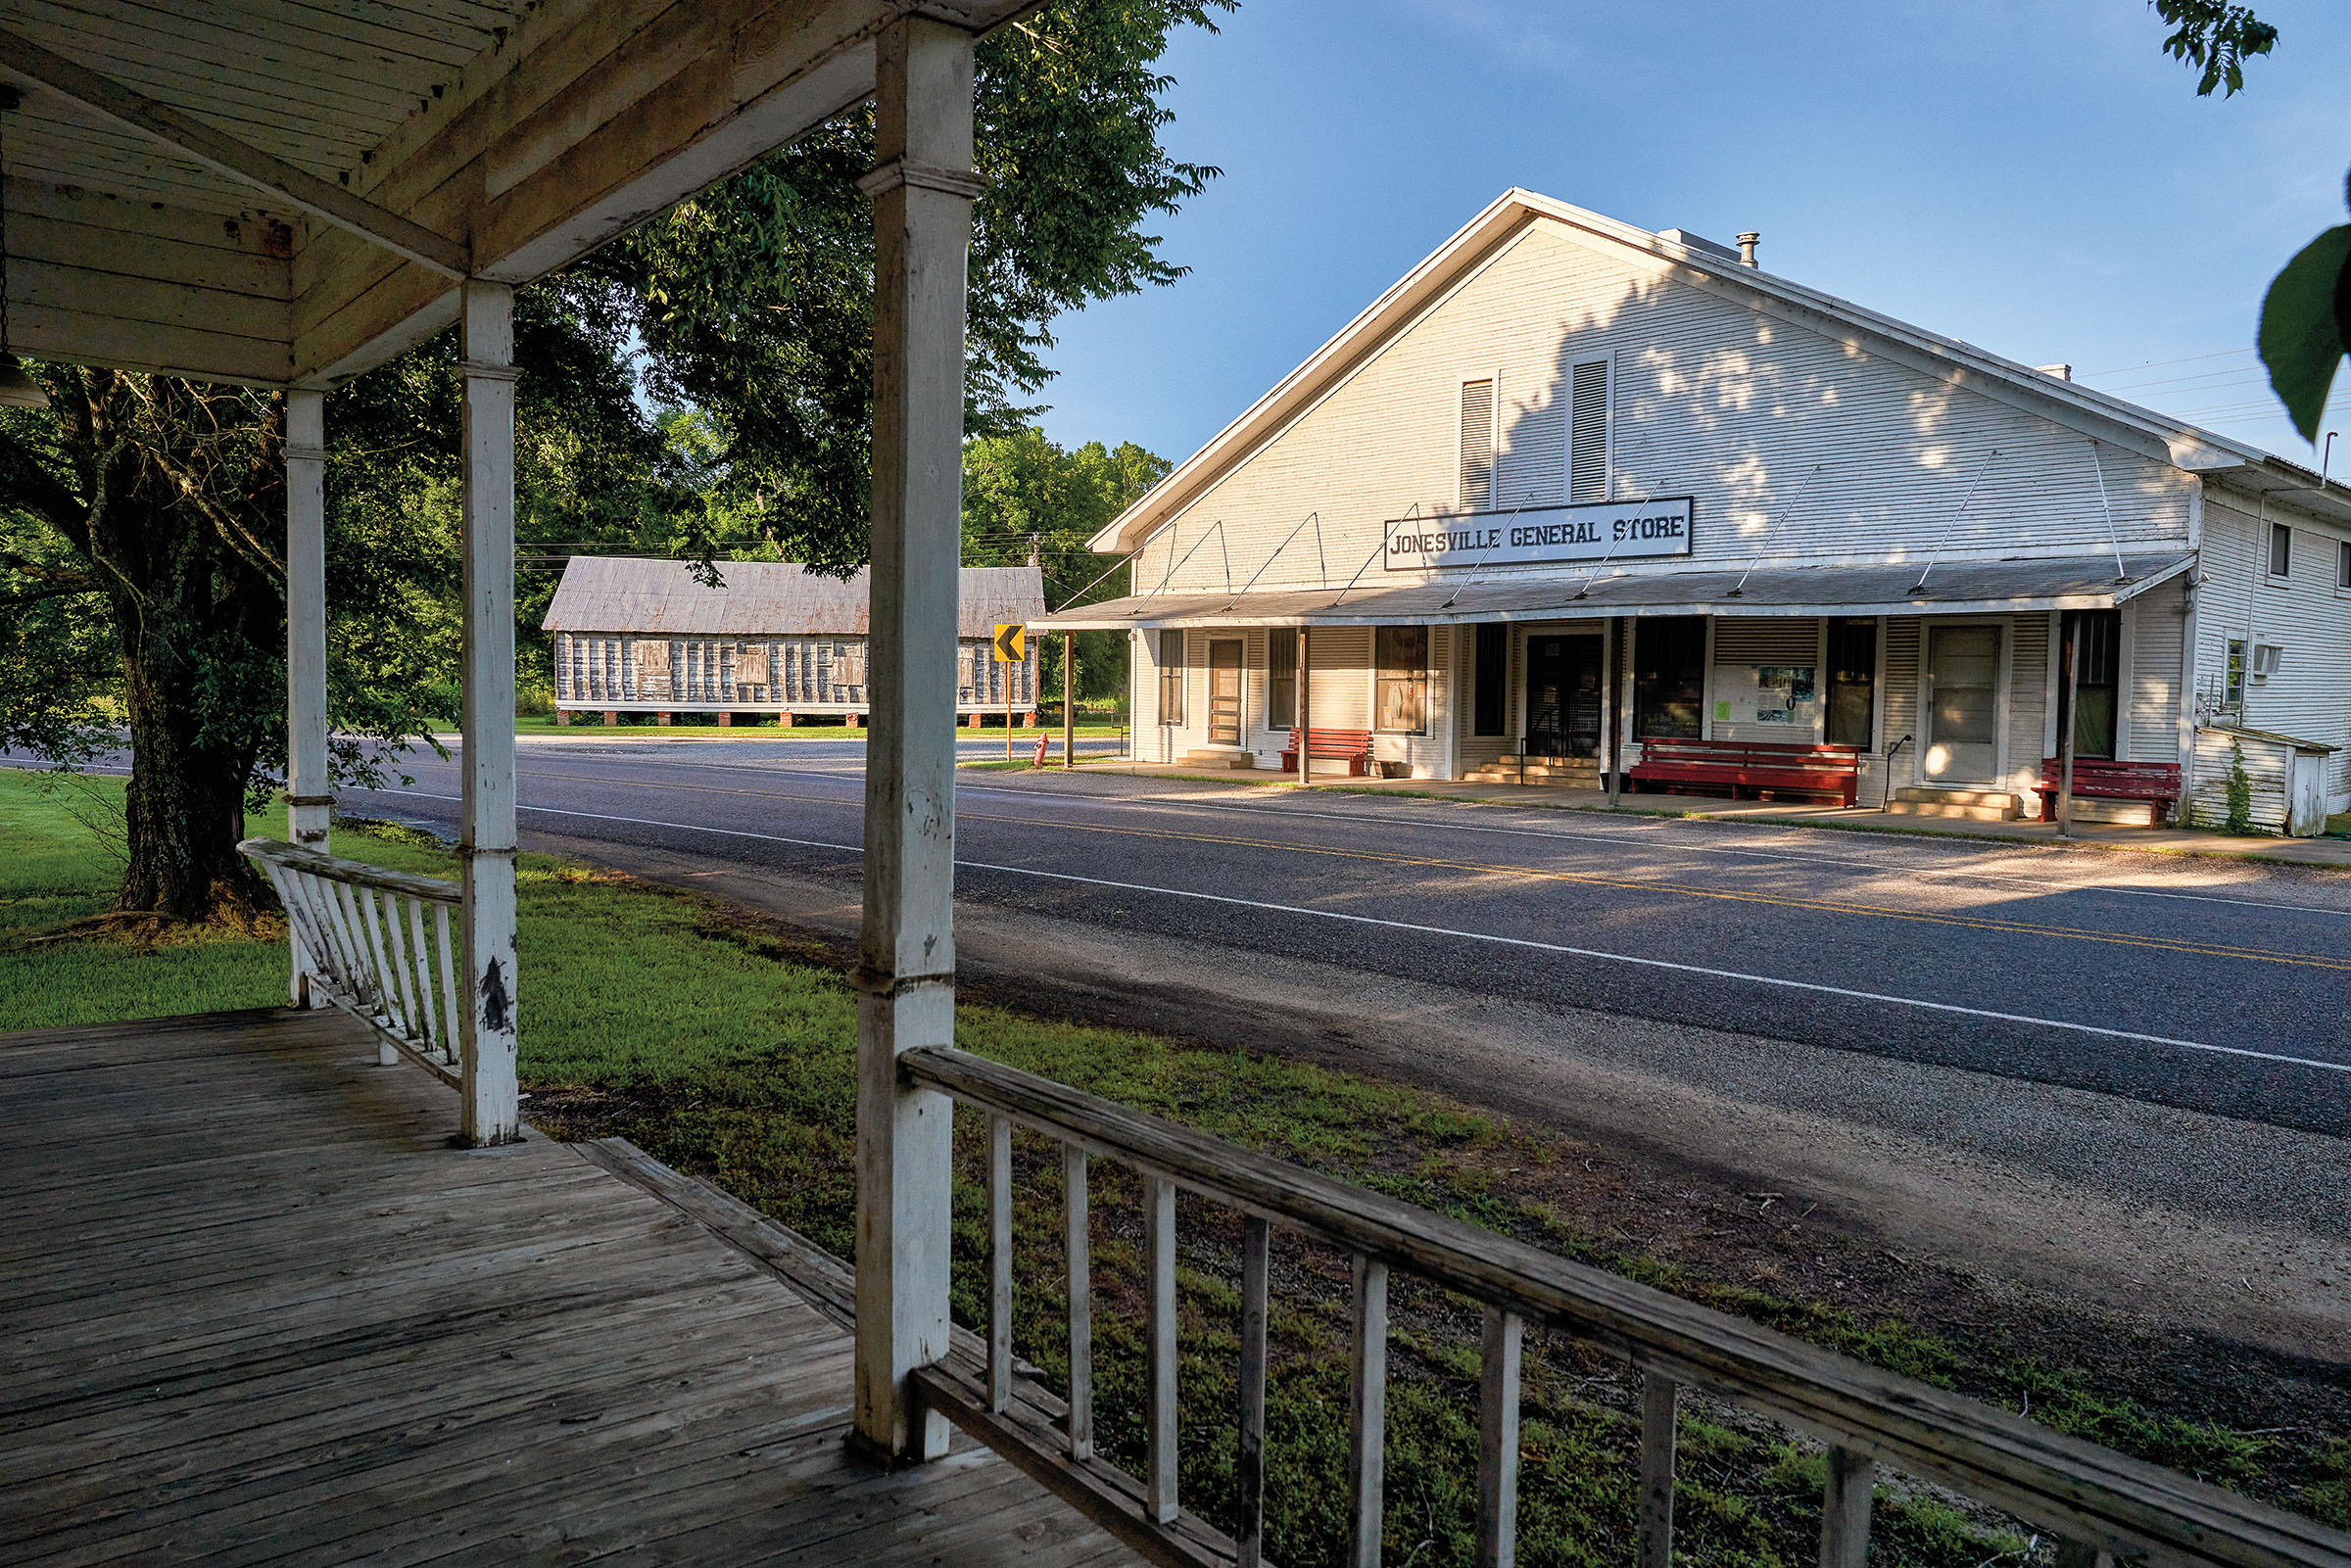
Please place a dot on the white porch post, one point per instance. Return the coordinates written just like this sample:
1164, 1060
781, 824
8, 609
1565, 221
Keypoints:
922, 188
310, 798
486, 834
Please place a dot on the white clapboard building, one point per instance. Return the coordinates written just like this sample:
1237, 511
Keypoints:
1572, 489
639, 636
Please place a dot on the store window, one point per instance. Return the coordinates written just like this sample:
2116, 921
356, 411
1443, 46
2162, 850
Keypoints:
1669, 675
1281, 677
1491, 697
1401, 698
1852, 681
2096, 665
1171, 677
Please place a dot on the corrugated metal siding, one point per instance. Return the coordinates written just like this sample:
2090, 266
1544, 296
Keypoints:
1712, 398
762, 598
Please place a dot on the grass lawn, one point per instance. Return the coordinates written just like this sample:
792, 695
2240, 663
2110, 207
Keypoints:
727, 1050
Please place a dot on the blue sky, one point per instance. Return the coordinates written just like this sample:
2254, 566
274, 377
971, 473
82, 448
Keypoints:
2037, 178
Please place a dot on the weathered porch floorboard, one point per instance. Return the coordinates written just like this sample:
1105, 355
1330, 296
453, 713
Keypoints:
253, 1309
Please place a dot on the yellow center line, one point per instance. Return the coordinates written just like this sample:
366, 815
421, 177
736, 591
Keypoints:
1829, 906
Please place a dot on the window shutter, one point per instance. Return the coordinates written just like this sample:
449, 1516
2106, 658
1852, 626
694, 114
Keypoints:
1588, 432
1477, 445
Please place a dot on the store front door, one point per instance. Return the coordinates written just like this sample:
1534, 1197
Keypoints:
1225, 692
1964, 704
1562, 696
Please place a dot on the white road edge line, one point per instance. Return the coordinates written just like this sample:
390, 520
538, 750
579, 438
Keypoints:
1813, 986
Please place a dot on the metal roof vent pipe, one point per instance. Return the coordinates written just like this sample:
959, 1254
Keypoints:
1747, 247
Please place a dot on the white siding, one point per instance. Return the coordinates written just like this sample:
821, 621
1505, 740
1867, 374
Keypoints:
2266, 766
1713, 398
1902, 718
2306, 615
2028, 705
2158, 625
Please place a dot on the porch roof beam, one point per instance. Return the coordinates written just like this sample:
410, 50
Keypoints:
28, 63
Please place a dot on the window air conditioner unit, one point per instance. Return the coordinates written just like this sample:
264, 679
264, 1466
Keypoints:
2264, 659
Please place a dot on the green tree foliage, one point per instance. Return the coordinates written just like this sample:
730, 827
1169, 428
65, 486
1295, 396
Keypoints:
145, 527
2305, 325
2213, 38
758, 295
1023, 493
2306, 316
141, 583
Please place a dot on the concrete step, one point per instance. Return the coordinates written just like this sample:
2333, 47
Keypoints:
1946, 795
2130, 811
1220, 758
1545, 771
1964, 805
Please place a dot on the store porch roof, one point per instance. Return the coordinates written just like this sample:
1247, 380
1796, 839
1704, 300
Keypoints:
1949, 588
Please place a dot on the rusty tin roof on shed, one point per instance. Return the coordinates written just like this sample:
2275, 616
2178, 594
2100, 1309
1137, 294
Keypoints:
761, 598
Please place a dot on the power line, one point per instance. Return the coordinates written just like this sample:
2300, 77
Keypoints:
2157, 364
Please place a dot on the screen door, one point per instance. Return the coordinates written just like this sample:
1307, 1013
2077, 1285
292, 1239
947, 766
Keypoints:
1224, 693
1964, 704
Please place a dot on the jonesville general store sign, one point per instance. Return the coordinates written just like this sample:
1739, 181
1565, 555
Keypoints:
1641, 530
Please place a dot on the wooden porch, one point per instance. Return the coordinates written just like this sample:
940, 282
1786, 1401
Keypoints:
259, 1310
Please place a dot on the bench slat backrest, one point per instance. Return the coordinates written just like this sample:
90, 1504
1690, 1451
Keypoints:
1680, 752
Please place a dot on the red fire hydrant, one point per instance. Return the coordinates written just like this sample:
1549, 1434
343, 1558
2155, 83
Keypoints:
1041, 741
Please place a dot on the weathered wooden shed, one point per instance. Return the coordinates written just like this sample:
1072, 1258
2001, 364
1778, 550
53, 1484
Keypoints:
641, 635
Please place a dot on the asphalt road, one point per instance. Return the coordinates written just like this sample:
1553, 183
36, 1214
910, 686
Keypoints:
2214, 988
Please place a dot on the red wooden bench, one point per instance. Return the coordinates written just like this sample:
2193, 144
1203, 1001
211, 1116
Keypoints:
2155, 782
1752, 764
1353, 746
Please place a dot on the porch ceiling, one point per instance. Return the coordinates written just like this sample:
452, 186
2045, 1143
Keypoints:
284, 191
1951, 588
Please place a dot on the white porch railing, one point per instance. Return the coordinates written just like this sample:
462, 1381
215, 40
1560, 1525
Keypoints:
2103, 1508
363, 933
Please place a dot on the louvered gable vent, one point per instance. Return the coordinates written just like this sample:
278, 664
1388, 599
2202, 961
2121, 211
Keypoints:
1477, 445
1588, 432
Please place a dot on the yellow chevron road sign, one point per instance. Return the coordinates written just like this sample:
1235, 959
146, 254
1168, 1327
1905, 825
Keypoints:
1012, 644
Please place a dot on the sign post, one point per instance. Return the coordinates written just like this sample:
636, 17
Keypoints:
1011, 648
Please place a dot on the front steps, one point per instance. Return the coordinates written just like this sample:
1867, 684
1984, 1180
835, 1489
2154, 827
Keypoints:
1219, 757
1967, 805
1570, 772
2134, 812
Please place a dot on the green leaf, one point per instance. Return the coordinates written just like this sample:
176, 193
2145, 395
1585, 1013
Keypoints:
2300, 341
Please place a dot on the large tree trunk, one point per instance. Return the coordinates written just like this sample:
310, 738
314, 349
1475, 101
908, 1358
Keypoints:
184, 809
184, 482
